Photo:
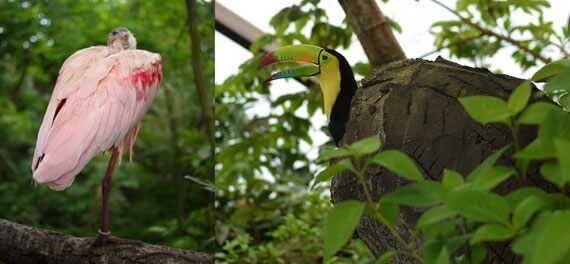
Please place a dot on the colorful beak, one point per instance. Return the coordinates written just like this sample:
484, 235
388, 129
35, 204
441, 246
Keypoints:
307, 54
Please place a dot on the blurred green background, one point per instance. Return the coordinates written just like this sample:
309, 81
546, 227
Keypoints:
151, 199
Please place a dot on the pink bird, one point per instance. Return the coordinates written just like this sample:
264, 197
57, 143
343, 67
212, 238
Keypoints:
100, 97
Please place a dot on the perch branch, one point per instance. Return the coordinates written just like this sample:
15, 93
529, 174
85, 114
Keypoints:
24, 244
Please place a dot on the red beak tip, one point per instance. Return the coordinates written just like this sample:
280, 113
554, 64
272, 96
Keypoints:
267, 60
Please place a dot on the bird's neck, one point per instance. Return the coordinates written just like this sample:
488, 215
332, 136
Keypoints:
330, 86
340, 111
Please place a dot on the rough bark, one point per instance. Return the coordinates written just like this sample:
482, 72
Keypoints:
24, 244
412, 105
373, 31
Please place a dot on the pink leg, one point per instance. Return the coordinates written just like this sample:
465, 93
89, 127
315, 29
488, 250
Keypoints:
106, 188
103, 235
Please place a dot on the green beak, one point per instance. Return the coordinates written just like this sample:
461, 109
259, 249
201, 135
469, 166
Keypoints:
307, 54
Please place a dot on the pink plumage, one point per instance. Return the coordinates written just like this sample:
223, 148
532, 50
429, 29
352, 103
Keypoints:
99, 99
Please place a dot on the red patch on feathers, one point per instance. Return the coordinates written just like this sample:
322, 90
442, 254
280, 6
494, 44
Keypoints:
146, 79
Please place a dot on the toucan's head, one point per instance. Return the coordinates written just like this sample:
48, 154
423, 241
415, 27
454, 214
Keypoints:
330, 68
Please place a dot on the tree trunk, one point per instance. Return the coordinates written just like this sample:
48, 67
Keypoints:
373, 31
24, 244
413, 106
207, 112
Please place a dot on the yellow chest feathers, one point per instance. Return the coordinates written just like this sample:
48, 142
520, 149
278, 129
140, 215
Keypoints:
330, 85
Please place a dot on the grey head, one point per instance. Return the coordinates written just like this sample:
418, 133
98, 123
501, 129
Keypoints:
121, 38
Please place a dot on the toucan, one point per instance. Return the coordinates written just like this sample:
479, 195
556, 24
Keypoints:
333, 73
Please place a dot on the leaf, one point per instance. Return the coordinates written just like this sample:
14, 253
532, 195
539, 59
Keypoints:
451, 179
519, 98
525, 210
419, 194
478, 254
443, 257
362, 68
330, 171
525, 243
485, 109
479, 206
433, 215
394, 25
564, 101
340, 225
535, 113
553, 242
563, 154
386, 257
486, 164
399, 163
559, 83
332, 153
535, 151
551, 172
390, 211
556, 125
492, 177
364, 146
491, 232
550, 70
517, 196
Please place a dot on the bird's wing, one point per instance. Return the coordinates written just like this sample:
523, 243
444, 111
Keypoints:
97, 104
71, 71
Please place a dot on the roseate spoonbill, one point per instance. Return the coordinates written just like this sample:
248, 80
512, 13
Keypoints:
333, 72
100, 97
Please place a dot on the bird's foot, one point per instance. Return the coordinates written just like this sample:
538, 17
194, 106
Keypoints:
103, 238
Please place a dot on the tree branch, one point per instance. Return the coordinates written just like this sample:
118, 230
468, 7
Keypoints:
373, 30
489, 32
24, 244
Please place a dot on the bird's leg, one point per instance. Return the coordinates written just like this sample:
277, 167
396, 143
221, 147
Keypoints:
103, 234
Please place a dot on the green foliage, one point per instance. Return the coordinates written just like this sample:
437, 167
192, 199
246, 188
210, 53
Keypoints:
150, 199
263, 172
483, 29
463, 214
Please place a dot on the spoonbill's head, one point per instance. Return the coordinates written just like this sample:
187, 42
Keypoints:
121, 38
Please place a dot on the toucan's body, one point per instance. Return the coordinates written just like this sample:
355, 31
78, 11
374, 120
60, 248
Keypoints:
333, 72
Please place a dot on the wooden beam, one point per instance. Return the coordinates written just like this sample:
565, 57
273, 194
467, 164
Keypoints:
238, 29
244, 33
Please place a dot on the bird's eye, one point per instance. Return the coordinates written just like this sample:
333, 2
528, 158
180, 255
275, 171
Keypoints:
325, 57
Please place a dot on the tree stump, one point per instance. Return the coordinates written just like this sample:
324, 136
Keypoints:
413, 106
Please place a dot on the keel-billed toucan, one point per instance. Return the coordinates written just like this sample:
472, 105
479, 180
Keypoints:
333, 72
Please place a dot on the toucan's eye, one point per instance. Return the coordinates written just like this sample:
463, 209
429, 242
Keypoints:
325, 57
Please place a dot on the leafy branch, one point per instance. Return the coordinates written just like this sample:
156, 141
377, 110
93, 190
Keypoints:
488, 32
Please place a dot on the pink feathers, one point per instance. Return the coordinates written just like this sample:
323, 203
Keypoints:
98, 102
